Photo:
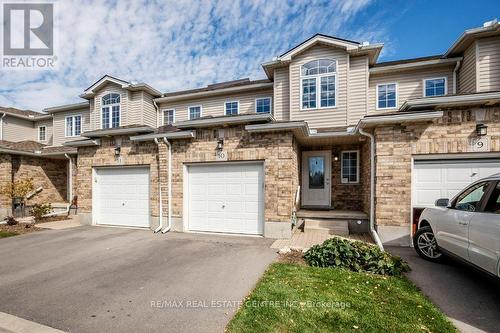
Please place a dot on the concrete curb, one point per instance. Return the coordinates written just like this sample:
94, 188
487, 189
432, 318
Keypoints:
13, 324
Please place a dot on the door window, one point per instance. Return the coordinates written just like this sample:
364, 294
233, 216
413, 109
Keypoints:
316, 172
493, 205
471, 198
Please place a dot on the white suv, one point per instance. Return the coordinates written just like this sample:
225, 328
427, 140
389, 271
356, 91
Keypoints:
467, 227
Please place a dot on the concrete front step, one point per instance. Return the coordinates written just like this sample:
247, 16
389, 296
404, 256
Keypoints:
332, 226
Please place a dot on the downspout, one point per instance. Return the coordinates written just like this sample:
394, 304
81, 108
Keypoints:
373, 232
70, 178
160, 204
455, 70
1, 126
169, 186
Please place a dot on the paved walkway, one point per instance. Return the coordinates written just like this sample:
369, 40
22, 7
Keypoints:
13, 324
304, 240
58, 225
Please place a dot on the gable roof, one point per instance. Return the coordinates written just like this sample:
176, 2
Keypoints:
90, 91
491, 28
313, 39
24, 114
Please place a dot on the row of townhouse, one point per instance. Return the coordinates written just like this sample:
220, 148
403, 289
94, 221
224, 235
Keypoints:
330, 129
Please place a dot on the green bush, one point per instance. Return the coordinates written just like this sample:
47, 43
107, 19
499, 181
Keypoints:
355, 256
39, 210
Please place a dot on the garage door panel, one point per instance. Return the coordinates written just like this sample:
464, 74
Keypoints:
122, 196
233, 200
445, 179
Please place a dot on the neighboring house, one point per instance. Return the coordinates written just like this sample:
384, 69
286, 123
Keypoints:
236, 157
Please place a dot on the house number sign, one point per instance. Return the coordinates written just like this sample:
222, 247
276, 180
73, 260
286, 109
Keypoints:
221, 155
480, 144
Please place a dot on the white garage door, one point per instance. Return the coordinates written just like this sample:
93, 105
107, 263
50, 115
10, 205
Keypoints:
226, 198
444, 179
121, 197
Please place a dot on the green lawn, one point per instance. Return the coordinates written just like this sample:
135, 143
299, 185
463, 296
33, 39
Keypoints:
4, 234
309, 299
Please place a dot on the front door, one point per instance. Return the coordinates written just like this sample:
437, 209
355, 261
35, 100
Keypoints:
316, 175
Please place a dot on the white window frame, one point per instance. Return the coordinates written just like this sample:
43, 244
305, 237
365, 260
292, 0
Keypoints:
237, 107
318, 86
342, 167
72, 126
435, 78
45, 133
195, 106
270, 104
110, 106
397, 96
163, 116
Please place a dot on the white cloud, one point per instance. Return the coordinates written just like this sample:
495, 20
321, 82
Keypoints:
175, 44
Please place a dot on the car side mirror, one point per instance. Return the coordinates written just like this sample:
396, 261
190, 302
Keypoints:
443, 202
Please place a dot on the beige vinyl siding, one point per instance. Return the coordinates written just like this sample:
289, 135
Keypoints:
48, 131
135, 108
357, 90
59, 134
16, 129
409, 85
317, 118
148, 110
124, 101
467, 72
281, 97
215, 105
488, 64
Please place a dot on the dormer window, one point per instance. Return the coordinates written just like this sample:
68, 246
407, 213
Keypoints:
110, 111
318, 84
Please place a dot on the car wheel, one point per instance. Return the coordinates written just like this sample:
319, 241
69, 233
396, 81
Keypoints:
426, 246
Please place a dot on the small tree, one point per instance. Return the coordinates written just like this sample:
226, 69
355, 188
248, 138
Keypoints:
18, 188
39, 210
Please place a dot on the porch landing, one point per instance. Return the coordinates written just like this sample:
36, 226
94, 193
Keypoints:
332, 214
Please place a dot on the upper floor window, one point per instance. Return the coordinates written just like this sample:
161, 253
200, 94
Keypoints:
73, 126
42, 133
194, 112
110, 111
231, 108
168, 117
263, 105
318, 84
387, 96
435, 87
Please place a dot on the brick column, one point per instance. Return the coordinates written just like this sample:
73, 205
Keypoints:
5, 178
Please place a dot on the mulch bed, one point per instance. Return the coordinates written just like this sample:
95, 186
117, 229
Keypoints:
54, 219
293, 257
18, 228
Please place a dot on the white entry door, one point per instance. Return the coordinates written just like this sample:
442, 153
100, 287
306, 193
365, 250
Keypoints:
226, 197
121, 197
316, 175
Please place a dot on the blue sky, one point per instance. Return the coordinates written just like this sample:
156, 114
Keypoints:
178, 44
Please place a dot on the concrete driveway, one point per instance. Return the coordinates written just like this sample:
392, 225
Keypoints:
95, 279
470, 299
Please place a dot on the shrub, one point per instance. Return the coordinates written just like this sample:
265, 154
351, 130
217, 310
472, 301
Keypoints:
355, 256
39, 210
18, 189
11, 220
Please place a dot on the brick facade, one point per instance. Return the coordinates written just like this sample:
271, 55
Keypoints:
279, 152
396, 144
131, 154
5, 178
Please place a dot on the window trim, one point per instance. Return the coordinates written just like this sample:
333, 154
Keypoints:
195, 106
435, 78
163, 116
342, 167
397, 96
111, 110
237, 107
73, 126
318, 77
270, 104
45, 133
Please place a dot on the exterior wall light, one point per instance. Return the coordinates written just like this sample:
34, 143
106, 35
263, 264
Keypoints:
481, 129
117, 150
220, 144
335, 157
